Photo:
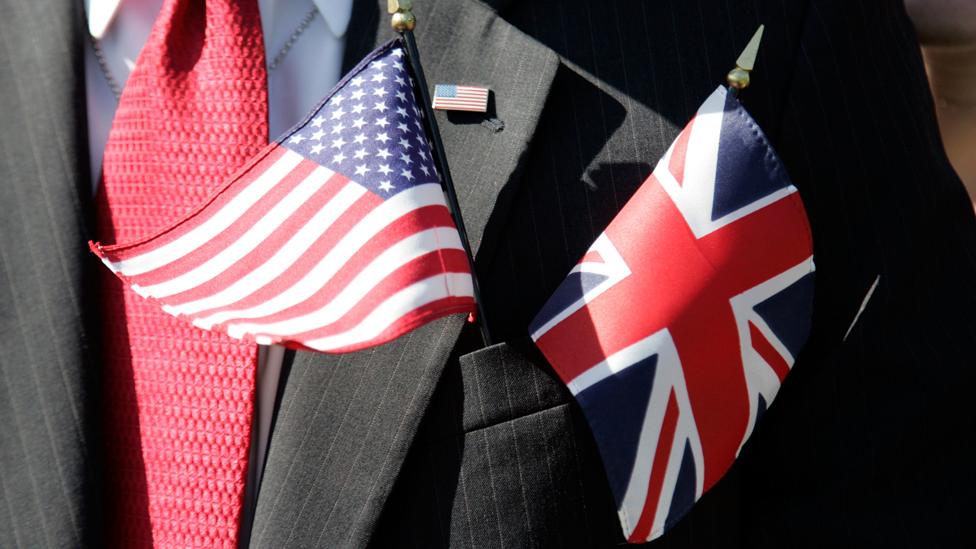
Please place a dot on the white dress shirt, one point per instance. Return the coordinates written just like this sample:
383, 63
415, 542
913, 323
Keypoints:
298, 83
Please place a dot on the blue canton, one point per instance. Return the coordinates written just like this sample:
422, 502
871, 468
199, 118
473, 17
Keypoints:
445, 90
371, 129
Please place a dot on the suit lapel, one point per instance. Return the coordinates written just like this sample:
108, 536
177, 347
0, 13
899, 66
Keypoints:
346, 422
361, 35
44, 277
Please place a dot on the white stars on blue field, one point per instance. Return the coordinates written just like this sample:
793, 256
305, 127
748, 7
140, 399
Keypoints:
371, 130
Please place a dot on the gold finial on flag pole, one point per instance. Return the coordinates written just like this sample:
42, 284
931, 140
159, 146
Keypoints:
403, 19
738, 78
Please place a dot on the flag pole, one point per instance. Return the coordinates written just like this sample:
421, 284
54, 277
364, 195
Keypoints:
738, 78
403, 22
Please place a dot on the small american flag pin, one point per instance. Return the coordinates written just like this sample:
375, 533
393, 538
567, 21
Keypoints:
451, 97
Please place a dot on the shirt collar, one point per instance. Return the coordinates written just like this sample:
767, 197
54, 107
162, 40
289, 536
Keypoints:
336, 13
101, 13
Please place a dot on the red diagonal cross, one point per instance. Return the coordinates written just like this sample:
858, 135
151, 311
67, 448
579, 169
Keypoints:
684, 283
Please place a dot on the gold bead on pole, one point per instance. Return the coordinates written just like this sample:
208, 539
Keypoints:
403, 19
738, 78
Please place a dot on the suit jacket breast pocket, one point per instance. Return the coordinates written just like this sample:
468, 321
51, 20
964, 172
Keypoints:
503, 459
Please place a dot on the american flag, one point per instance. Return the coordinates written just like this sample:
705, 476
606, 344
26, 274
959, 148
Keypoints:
450, 97
335, 238
677, 327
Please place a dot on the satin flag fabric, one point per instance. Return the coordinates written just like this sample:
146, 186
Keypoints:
677, 327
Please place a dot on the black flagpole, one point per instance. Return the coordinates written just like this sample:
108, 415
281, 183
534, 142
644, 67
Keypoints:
403, 22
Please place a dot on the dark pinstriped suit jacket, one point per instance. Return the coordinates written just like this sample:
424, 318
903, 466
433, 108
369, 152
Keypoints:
430, 441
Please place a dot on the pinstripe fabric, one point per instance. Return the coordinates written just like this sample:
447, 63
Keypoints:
502, 459
881, 419
431, 442
861, 448
346, 422
44, 459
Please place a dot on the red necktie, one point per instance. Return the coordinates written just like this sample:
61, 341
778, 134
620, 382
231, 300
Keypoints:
178, 400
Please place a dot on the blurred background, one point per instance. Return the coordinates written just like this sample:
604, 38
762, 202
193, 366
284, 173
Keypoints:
947, 32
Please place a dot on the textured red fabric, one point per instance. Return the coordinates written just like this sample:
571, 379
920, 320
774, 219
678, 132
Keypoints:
178, 400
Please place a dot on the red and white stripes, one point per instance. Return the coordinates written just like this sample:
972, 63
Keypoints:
291, 252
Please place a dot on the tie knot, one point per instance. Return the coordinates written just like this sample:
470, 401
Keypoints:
193, 111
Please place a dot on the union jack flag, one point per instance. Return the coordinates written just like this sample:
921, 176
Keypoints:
335, 238
676, 329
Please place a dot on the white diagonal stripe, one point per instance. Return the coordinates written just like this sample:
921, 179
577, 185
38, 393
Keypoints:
624, 358
613, 266
697, 192
667, 371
